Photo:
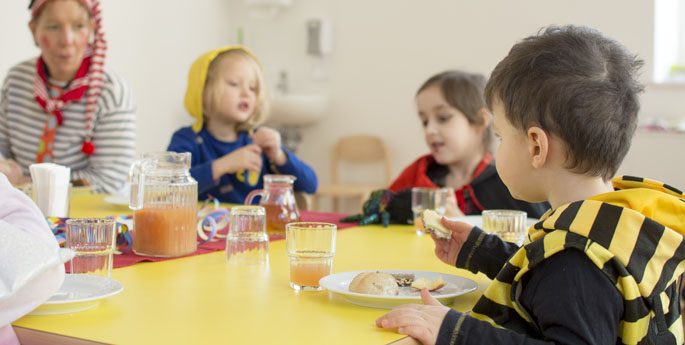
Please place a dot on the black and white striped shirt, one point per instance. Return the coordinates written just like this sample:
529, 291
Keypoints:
22, 121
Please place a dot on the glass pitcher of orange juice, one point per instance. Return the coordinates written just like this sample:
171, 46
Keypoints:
164, 204
278, 199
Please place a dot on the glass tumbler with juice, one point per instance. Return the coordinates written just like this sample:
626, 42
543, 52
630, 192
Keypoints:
310, 247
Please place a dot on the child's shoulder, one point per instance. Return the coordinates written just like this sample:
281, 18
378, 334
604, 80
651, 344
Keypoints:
206, 138
422, 162
185, 132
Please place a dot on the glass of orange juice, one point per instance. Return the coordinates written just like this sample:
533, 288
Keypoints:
310, 247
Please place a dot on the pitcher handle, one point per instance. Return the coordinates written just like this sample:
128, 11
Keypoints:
136, 178
253, 194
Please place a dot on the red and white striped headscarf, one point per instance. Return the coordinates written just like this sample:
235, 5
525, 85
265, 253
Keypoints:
88, 79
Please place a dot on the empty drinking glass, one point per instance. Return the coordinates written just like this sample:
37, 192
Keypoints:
247, 241
509, 225
423, 198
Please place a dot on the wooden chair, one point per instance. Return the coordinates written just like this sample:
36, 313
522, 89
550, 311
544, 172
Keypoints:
304, 201
357, 150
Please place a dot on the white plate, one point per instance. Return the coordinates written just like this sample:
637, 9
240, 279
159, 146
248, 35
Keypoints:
477, 220
455, 285
79, 292
117, 199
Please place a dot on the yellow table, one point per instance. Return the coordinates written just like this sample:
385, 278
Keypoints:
204, 300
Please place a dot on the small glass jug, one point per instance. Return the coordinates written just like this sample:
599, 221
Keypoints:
164, 204
278, 199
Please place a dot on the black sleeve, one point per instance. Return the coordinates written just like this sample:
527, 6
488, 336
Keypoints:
485, 253
458, 328
569, 300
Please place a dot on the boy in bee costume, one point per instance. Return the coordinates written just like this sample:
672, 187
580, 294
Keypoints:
602, 266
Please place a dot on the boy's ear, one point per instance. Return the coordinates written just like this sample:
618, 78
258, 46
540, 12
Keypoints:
538, 146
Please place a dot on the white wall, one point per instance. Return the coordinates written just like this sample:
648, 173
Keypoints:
383, 50
15, 37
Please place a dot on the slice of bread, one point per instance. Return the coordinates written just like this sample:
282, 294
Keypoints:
431, 222
432, 285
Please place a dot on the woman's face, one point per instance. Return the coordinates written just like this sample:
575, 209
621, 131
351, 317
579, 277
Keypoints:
62, 30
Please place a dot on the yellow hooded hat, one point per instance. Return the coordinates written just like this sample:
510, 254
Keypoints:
196, 81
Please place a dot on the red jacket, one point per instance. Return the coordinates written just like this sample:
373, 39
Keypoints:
415, 174
485, 190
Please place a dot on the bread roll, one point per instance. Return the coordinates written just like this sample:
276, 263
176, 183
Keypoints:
375, 283
431, 222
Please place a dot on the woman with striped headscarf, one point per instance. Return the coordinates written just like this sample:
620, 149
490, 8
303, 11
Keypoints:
65, 107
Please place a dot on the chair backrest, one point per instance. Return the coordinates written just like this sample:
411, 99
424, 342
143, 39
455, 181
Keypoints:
304, 201
360, 149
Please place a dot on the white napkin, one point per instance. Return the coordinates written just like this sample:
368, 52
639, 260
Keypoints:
51, 188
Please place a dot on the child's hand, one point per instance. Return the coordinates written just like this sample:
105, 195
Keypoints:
447, 250
248, 157
12, 170
270, 141
421, 322
451, 206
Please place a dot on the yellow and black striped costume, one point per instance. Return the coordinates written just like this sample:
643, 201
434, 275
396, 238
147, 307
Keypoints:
634, 235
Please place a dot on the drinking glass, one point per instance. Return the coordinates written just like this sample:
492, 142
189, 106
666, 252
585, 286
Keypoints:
509, 225
247, 241
423, 198
92, 240
310, 247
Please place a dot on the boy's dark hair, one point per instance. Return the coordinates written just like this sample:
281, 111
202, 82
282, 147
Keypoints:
577, 84
464, 92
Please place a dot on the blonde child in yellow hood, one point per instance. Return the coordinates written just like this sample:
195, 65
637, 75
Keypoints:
230, 152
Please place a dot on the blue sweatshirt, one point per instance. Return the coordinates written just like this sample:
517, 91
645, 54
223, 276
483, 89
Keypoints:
233, 188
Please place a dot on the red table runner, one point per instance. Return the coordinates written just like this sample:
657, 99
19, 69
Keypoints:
129, 258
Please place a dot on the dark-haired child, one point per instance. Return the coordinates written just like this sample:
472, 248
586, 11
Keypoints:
458, 131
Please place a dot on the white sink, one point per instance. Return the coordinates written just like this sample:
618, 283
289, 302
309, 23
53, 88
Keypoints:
292, 109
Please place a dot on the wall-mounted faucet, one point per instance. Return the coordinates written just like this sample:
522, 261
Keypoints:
282, 84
